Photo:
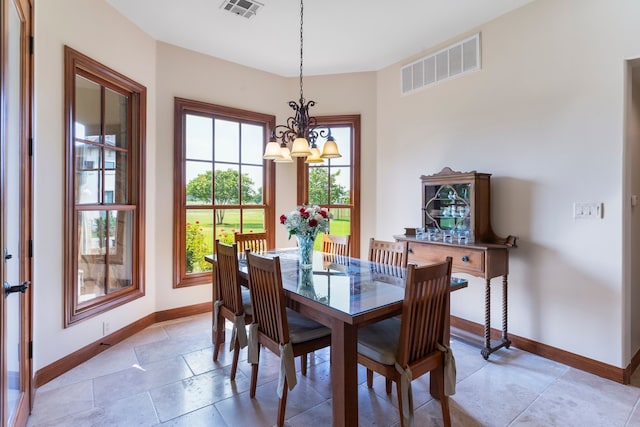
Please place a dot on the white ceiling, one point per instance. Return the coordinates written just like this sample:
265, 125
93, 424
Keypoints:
340, 36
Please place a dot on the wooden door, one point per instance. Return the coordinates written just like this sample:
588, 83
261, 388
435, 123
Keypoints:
15, 212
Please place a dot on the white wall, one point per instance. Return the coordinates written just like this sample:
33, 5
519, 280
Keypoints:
632, 245
95, 29
545, 117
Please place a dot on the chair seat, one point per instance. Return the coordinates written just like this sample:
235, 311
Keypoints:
379, 341
302, 329
246, 302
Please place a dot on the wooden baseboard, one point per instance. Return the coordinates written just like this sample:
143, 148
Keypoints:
59, 367
586, 364
633, 365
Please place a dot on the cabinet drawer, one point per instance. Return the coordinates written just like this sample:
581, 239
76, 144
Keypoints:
465, 259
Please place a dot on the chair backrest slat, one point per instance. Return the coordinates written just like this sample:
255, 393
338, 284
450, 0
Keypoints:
267, 297
256, 242
389, 253
424, 310
335, 245
227, 277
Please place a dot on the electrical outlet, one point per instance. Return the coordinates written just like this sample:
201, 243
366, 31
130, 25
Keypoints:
588, 210
106, 328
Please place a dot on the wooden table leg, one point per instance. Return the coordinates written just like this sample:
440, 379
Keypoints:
344, 373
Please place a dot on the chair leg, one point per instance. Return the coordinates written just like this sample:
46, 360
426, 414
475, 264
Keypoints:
254, 380
387, 384
369, 378
303, 365
400, 408
438, 376
282, 404
236, 354
219, 338
446, 414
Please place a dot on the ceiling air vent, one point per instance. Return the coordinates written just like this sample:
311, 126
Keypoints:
246, 8
452, 61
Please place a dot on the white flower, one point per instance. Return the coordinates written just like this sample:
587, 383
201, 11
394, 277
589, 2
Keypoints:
307, 220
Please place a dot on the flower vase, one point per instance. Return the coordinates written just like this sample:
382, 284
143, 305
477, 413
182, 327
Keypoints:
305, 243
305, 283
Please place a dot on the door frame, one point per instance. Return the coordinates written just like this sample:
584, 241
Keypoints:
25, 10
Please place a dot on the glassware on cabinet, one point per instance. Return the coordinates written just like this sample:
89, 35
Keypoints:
448, 210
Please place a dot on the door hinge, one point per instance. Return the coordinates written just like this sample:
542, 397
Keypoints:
30, 45
30, 248
30, 349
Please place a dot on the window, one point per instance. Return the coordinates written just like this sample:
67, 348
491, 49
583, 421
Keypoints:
104, 211
335, 183
222, 184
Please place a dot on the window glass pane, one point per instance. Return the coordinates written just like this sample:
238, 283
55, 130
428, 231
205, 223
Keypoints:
120, 244
88, 180
116, 175
227, 223
226, 185
340, 185
251, 185
227, 141
199, 137
252, 143
199, 239
91, 275
116, 118
341, 222
88, 107
318, 185
199, 183
92, 241
253, 221
342, 136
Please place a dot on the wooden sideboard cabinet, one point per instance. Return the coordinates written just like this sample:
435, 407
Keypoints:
456, 222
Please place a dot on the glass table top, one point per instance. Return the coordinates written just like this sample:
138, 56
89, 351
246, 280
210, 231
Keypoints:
350, 285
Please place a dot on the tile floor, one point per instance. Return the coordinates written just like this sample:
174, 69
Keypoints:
165, 376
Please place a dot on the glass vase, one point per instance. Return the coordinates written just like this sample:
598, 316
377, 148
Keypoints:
305, 244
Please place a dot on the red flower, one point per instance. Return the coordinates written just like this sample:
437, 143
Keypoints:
313, 222
283, 218
323, 213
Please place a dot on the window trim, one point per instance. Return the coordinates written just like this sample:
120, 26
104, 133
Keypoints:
182, 107
302, 191
76, 63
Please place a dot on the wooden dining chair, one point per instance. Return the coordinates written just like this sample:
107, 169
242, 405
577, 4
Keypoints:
335, 245
405, 348
233, 303
390, 253
280, 329
256, 242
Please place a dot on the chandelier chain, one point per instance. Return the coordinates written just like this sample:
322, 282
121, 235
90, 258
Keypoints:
301, 44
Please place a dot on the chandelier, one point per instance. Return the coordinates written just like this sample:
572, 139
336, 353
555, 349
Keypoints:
301, 131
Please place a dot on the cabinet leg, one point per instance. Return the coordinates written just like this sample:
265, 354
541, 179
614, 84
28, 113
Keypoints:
487, 320
505, 338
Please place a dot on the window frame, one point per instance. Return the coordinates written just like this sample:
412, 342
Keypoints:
302, 192
78, 64
182, 107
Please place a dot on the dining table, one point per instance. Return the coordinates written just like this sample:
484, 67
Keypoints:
344, 294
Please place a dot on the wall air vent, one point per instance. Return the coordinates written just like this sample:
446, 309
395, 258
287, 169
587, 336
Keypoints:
245, 8
452, 61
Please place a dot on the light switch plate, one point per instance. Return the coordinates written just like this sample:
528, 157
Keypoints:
587, 210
